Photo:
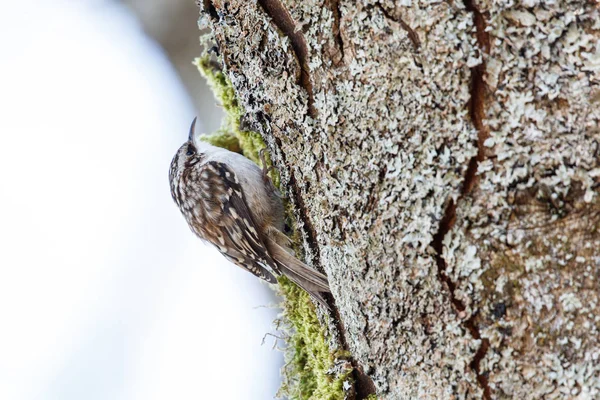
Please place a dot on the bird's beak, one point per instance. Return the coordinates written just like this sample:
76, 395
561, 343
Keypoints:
192, 130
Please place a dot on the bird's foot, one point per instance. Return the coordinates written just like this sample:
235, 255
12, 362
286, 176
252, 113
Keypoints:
265, 168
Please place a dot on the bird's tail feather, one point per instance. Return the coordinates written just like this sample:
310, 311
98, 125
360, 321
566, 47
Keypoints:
314, 282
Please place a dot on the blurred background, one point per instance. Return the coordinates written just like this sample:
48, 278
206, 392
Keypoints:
104, 291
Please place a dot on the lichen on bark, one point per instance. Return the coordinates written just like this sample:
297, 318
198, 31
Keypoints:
525, 250
441, 159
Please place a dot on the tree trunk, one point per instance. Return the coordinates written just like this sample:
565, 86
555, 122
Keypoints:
443, 159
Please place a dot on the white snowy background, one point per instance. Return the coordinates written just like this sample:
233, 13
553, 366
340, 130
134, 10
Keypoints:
104, 291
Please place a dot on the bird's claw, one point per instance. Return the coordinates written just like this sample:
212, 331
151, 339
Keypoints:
265, 168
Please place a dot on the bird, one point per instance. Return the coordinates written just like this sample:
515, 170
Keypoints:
229, 202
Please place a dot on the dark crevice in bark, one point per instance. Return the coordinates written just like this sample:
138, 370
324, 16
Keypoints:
364, 385
412, 35
334, 5
299, 203
477, 113
483, 38
446, 224
477, 100
284, 22
209, 8
482, 379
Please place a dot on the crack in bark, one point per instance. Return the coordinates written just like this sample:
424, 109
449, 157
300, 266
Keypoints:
363, 384
299, 202
477, 113
412, 35
209, 8
284, 22
334, 5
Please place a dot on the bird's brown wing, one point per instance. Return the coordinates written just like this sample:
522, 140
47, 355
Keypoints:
237, 235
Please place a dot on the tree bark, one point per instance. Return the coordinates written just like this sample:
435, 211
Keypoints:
443, 159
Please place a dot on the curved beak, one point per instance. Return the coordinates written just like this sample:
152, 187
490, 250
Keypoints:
192, 130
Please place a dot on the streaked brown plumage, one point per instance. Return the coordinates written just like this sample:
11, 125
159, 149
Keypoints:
229, 202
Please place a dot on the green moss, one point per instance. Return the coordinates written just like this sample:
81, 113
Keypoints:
308, 374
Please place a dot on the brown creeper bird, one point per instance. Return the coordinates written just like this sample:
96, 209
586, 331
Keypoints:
229, 202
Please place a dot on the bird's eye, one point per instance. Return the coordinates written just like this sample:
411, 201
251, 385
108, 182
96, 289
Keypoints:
190, 150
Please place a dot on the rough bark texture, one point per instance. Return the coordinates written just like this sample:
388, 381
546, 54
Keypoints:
443, 159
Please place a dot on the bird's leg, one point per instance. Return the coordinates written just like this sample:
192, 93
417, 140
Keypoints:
265, 169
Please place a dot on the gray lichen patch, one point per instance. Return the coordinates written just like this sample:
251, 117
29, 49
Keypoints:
524, 253
374, 169
400, 142
371, 173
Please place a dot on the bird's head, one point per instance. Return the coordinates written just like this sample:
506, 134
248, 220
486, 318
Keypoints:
188, 156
